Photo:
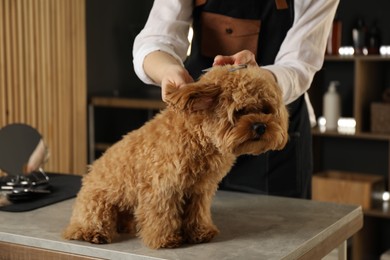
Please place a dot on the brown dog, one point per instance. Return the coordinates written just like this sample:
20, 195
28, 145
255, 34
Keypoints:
159, 180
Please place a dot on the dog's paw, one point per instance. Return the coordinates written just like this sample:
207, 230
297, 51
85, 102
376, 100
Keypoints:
201, 234
99, 239
171, 241
89, 236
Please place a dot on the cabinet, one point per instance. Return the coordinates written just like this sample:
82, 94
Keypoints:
363, 80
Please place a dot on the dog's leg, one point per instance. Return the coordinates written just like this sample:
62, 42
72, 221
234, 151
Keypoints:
93, 219
158, 217
198, 226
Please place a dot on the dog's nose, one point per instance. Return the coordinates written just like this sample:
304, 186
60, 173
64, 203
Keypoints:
259, 128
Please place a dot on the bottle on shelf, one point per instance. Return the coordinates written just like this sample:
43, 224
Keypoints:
374, 39
334, 39
332, 106
359, 34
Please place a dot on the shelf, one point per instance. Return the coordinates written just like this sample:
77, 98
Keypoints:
102, 146
383, 212
360, 135
357, 58
135, 103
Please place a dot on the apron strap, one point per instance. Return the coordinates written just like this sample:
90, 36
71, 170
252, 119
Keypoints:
280, 4
200, 2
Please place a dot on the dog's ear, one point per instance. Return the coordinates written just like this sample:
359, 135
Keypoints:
195, 96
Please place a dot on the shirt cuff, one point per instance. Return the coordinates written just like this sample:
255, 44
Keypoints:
283, 79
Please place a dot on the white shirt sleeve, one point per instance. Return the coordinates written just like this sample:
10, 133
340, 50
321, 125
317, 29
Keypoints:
301, 54
166, 30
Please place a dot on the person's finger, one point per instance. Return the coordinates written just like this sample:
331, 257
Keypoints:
223, 60
177, 80
244, 57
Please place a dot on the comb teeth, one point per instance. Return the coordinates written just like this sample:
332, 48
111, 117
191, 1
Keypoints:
238, 67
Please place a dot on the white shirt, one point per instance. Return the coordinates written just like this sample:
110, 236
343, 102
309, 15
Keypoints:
300, 56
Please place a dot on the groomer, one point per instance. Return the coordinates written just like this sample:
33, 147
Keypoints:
286, 38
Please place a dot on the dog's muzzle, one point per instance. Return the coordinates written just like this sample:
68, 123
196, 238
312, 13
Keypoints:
259, 129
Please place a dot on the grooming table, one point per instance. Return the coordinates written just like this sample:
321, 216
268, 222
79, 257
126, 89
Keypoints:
251, 227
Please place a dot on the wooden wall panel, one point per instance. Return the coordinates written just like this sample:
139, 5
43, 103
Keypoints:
43, 75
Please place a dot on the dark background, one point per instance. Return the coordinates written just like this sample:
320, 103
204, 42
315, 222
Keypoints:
111, 29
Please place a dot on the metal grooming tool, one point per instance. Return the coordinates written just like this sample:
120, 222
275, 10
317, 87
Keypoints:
238, 67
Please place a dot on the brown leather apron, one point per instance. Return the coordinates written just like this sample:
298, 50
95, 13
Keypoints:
226, 27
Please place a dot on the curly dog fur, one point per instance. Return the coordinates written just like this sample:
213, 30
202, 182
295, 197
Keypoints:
158, 181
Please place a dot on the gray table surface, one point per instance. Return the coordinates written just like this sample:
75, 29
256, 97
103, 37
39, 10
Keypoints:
251, 227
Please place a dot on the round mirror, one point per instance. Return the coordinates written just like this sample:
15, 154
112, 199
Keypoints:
22, 155
22, 149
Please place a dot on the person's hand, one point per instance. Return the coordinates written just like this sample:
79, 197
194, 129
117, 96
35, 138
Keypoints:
242, 57
174, 75
165, 70
37, 158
